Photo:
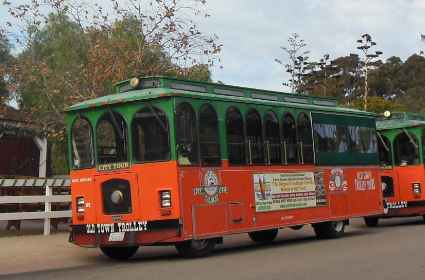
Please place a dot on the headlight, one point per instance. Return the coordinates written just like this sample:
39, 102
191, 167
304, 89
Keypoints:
165, 199
80, 206
416, 189
117, 197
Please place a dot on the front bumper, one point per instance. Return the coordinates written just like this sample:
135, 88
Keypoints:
135, 233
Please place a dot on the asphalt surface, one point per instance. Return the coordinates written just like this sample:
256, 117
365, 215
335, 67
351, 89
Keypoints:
395, 250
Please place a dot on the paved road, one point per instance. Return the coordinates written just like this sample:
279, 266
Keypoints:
396, 250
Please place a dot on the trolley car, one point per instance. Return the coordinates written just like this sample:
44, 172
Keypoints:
401, 139
175, 162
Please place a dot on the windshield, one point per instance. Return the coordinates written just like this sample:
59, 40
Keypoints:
150, 135
111, 139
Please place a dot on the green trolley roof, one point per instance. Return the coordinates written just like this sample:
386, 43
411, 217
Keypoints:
159, 87
400, 120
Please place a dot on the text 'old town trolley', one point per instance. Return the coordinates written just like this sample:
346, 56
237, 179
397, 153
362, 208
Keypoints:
401, 138
166, 161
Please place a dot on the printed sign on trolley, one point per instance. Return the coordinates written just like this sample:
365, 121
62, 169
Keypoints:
280, 191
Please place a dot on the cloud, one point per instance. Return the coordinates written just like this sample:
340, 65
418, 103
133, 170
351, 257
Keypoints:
252, 32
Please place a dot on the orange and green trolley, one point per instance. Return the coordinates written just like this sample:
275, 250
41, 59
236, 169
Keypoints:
174, 162
401, 138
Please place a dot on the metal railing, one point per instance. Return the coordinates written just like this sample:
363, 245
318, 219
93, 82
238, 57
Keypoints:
17, 192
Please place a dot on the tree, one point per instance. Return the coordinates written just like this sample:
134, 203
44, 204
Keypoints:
339, 78
71, 53
366, 45
298, 65
76, 50
412, 83
5, 61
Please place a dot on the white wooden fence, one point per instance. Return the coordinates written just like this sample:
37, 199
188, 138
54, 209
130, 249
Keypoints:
48, 198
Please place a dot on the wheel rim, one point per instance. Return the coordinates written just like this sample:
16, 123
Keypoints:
199, 244
339, 226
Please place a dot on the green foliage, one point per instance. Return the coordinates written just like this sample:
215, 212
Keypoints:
378, 104
393, 85
58, 152
70, 54
5, 61
340, 80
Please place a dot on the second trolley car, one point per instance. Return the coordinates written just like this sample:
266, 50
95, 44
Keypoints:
401, 138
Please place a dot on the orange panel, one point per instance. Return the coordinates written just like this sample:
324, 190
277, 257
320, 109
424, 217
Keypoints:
146, 181
219, 201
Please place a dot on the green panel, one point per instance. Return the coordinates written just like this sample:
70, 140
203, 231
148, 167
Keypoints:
343, 120
347, 158
127, 110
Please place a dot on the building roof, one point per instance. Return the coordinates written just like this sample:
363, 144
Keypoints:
9, 113
13, 122
159, 87
400, 120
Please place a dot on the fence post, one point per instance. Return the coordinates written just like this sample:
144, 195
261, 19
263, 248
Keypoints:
47, 209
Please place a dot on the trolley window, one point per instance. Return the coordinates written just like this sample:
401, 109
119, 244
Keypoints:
82, 144
272, 138
208, 136
254, 137
305, 139
384, 149
325, 135
290, 139
150, 134
345, 139
111, 139
406, 149
187, 138
235, 137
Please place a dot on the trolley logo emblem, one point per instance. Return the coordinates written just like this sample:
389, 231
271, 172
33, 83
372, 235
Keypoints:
337, 181
211, 188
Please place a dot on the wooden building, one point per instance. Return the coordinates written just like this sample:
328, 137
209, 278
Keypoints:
23, 148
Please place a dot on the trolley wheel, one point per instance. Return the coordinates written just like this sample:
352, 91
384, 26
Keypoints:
371, 221
298, 227
263, 236
195, 248
334, 229
119, 253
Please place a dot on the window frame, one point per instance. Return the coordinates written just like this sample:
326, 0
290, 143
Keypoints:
218, 143
388, 142
250, 162
352, 156
93, 143
309, 131
177, 104
284, 138
397, 156
273, 114
132, 135
99, 119
245, 163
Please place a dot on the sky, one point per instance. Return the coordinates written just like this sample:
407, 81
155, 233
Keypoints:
253, 31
